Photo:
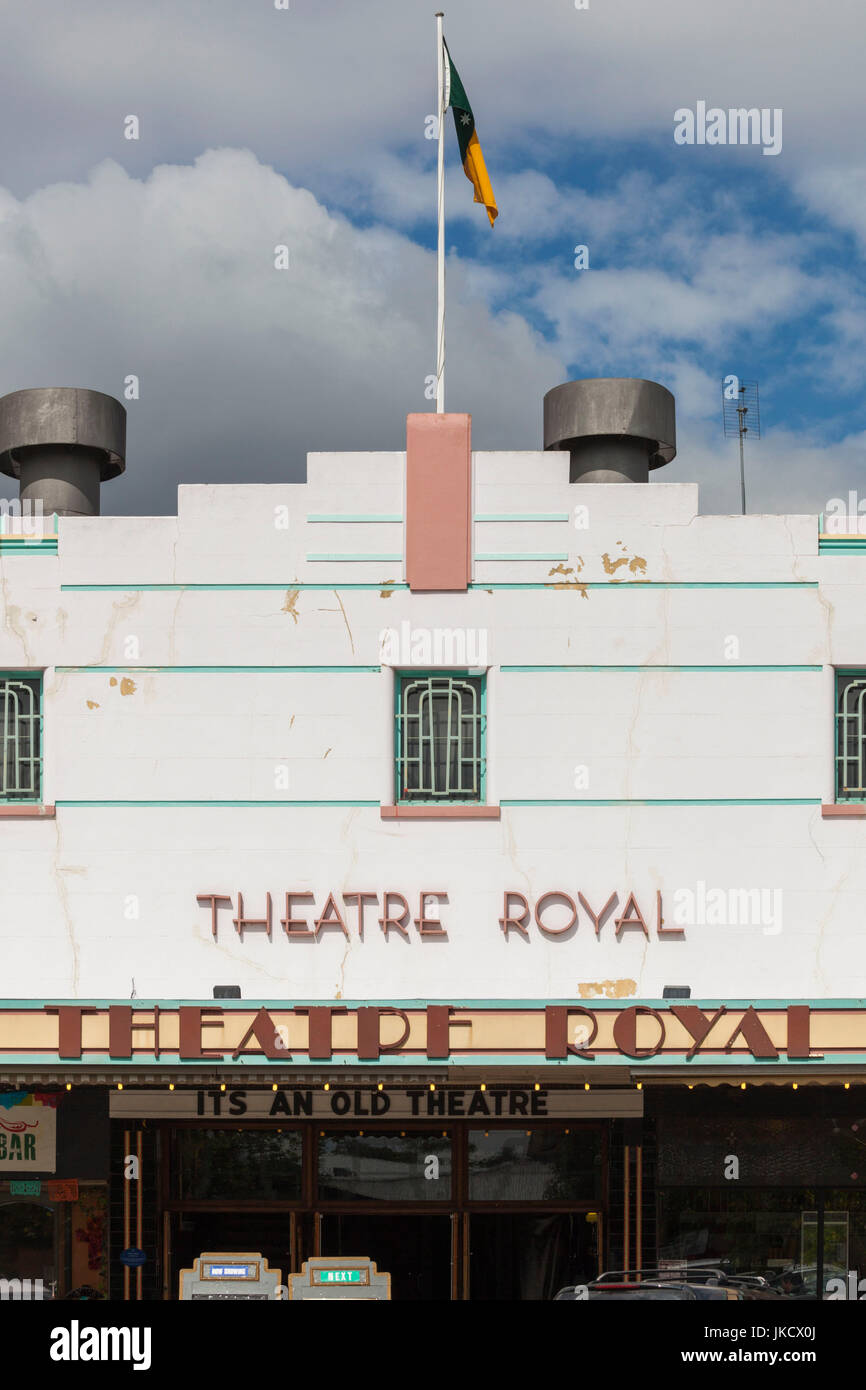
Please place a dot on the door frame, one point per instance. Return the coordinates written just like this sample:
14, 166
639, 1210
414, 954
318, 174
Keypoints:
306, 1211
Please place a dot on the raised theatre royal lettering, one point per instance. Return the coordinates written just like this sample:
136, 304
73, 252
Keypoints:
555, 915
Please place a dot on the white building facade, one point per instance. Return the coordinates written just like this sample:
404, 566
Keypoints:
438, 730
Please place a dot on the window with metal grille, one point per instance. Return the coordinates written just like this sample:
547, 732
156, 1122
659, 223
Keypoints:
20, 738
440, 738
851, 736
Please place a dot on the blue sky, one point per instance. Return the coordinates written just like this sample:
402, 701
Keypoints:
306, 128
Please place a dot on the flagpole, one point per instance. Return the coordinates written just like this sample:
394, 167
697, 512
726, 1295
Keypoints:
440, 201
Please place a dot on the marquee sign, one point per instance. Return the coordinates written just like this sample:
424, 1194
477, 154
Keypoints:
410, 1033
348, 1102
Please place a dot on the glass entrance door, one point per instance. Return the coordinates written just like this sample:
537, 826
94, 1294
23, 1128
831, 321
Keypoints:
416, 1250
530, 1255
834, 1259
192, 1233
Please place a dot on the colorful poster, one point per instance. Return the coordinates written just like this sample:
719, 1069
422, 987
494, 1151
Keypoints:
28, 1136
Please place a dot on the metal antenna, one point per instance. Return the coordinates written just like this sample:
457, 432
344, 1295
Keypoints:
739, 400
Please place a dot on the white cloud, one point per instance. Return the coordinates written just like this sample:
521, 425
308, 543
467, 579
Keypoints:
166, 271
838, 194
785, 471
647, 309
329, 84
244, 368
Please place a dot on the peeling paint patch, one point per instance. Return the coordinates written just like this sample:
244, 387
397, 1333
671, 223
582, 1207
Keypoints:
566, 582
611, 566
636, 563
93, 704
113, 680
607, 989
127, 686
291, 601
385, 593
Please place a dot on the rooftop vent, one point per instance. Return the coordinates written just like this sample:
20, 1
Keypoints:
615, 428
61, 442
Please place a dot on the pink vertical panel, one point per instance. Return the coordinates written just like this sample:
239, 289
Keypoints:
438, 501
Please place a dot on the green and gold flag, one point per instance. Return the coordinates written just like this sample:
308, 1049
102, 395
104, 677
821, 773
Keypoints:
470, 150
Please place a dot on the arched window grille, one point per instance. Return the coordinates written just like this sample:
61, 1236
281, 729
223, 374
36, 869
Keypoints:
440, 738
20, 738
851, 736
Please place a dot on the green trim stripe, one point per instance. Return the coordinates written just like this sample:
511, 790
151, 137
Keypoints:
730, 666
667, 801
506, 801
551, 585
842, 545
597, 1005
567, 583
630, 1068
25, 542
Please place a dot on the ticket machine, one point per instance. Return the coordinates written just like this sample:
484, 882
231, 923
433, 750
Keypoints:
227, 1275
329, 1278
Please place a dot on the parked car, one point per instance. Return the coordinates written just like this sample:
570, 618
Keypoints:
685, 1273
801, 1281
627, 1293
717, 1293
643, 1292
709, 1282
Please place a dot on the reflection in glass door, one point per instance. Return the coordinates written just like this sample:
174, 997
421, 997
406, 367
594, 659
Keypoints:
28, 1241
416, 1250
530, 1255
835, 1262
515, 1253
193, 1233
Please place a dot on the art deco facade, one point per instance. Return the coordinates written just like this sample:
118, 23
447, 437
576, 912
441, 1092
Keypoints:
456, 859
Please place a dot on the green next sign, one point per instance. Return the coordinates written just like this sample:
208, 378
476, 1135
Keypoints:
339, 1276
